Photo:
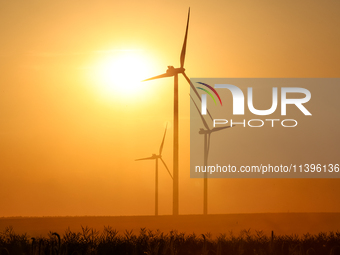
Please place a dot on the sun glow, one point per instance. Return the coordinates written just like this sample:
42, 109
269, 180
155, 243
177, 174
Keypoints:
121, 73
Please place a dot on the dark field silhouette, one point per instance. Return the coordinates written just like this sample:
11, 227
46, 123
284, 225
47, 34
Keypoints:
90, 241
233, 234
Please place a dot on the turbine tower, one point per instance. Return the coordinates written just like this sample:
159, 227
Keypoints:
156, 157
207, 133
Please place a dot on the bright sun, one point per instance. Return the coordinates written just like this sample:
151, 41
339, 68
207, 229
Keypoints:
121, 73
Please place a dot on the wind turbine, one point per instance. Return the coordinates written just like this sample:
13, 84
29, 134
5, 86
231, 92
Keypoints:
171, 71
156, 157
207, 133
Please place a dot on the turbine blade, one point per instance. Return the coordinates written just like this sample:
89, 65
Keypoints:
144, 158
162, 144
199, 113
158, 77
195, 90
167, 168
219, 128
184, 48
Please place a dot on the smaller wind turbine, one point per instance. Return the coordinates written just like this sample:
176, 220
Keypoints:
207, 133
156, 157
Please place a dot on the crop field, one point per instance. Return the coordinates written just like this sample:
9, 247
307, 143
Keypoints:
280, 223
90, 241
234, 234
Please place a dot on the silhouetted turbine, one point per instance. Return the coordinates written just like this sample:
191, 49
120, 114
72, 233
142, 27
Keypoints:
156, 157
207, 133
171, 71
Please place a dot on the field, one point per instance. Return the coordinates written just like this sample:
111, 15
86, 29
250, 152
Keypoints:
234, 234
280, 223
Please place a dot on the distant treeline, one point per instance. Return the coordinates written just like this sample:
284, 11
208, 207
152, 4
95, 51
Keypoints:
147, 242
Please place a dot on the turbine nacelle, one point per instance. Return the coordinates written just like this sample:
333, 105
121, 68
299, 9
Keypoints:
204, 131
172, 71
156, 156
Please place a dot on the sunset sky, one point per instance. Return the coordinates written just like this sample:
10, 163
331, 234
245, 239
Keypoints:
74, 115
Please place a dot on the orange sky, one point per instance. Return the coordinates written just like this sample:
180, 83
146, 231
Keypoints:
68, 145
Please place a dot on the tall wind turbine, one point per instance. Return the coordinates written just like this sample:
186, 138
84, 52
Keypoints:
207, 133
171, 71
156, 157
